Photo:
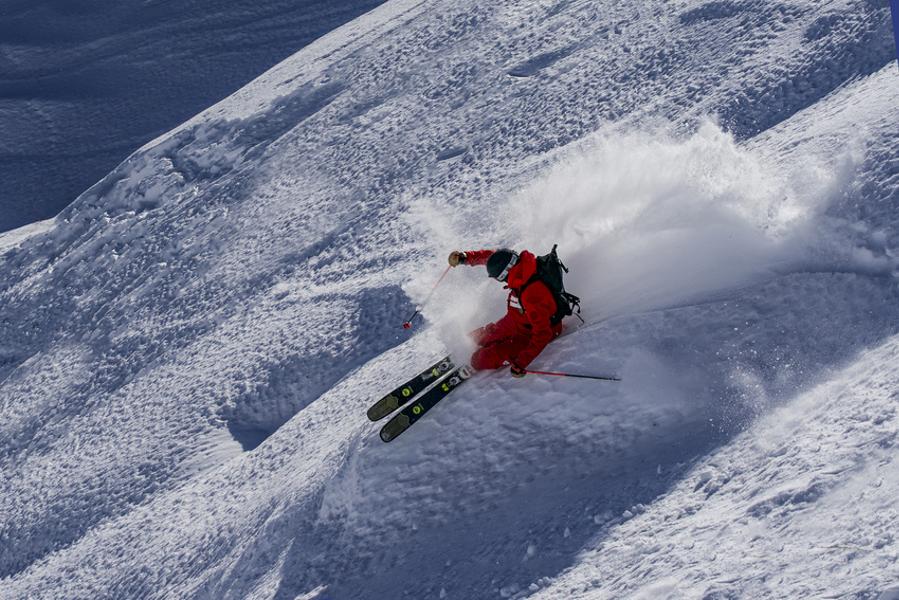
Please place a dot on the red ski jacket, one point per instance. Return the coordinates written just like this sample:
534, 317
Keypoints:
526, 329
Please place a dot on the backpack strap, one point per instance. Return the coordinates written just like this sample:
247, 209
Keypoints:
575, 303
556, 256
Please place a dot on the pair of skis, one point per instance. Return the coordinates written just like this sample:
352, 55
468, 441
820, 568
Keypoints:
444, 371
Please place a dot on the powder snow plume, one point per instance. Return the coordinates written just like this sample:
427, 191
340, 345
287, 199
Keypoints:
644, 220
647, 221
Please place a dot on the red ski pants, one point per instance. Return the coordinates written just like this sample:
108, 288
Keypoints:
496, 352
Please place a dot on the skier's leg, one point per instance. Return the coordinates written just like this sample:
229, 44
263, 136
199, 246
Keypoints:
488, 357
493, 333
481, 335
496, 355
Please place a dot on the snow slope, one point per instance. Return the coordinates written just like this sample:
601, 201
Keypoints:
188, 350
83, 85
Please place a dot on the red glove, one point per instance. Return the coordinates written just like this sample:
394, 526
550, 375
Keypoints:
517, 372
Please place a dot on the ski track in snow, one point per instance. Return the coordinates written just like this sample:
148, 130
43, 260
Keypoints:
187, 351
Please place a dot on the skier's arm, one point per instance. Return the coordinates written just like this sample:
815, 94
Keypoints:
540, 309
472, 258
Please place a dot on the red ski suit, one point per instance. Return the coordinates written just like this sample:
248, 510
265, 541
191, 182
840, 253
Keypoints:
526, 329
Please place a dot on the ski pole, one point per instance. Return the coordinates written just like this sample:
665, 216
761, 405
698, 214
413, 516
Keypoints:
556, 374
407, 324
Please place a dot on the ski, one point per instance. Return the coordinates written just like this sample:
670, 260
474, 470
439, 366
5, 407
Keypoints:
410, 389
416, 410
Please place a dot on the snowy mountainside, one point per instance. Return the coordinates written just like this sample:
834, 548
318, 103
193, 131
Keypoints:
84, 85
787, 510
188, 351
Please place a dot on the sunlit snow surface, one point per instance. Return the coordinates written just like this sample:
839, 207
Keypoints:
187, 353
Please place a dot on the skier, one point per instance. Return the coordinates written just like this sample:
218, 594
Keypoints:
537, 304
532, 319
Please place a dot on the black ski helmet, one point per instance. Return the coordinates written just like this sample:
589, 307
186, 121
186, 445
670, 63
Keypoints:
500, 262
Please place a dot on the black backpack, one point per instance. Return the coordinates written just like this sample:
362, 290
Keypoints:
549, 271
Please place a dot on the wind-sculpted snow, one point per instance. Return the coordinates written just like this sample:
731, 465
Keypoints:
187, 353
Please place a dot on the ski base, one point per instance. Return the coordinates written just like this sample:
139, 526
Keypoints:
417, 409
410, 389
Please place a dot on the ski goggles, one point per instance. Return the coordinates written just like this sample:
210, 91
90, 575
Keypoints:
505, 274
